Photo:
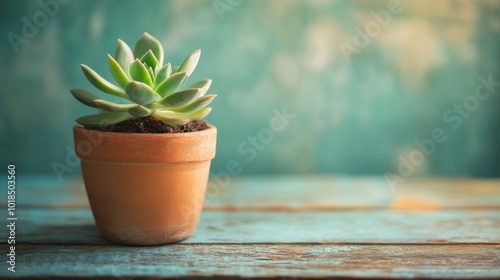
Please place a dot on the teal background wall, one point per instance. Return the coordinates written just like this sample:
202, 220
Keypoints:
352, 114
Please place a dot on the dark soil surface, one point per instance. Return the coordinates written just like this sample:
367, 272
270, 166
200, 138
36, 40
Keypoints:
152, 125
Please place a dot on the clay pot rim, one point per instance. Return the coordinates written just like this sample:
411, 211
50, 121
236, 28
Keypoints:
95, 145
211, 129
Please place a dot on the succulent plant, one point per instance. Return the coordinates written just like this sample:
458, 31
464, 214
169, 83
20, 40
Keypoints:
148, 87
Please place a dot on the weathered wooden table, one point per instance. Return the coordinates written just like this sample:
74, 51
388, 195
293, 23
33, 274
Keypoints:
276, 228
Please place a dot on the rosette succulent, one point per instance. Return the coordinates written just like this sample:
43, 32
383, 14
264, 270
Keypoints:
147, 87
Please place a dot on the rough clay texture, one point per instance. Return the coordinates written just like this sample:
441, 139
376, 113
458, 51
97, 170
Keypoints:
152, 125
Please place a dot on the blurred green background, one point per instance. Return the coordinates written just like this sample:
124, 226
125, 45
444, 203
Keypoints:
363, 82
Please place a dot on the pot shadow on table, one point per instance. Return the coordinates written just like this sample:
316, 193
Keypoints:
62, 234
84, 234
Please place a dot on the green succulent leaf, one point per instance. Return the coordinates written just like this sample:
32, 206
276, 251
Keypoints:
138, 72
150, 60
170, 118
103, 119
153, 88
86, 97
204, 85
190, 63
141, 93
147, 42
124, 55
195, 105
116, 70
112, 107
162, 75
151, 74
101, 83
199, 114
140, 111
171, 84
180, 98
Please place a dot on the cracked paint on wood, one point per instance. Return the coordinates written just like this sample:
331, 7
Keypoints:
274, 227
76, 226
261, 260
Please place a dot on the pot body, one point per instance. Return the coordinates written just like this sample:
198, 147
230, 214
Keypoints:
145, 189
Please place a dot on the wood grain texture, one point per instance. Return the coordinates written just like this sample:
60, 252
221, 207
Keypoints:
265, 260
295, 192
274, 227
76, 226
337, 192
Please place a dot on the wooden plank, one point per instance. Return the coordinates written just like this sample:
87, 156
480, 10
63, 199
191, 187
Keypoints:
36, 191
336, 192
76, 226
264, 260
284, 193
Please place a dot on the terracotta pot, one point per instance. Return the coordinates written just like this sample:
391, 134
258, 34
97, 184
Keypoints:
145, 189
